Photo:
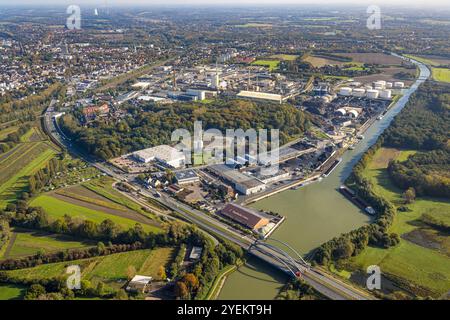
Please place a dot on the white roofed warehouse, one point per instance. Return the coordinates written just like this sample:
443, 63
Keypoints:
165, 154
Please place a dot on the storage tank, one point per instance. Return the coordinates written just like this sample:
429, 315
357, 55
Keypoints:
325, 99
359, 92
386, 94
373, 94
399, 84
341, 112
345, 91
389, 85
353, 113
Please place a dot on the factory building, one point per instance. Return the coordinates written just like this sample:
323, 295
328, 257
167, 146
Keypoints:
254, 95
186, 177
245, 216
242, 183
164, 154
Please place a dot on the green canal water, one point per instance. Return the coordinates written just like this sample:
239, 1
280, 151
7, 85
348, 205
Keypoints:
314, 214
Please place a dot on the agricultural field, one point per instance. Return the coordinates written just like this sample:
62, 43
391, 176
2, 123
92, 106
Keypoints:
271, 64
110, 269
18, 164
57, 206
319, 62
441, 74
374, 58
27, 242
104, 187
422, 258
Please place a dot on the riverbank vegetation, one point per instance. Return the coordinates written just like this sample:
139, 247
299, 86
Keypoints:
409, 239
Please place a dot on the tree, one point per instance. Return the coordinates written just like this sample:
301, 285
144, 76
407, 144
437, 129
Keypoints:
131, 272
34, 292
191, 281
162, 273
409, 195
121, 295
181, 291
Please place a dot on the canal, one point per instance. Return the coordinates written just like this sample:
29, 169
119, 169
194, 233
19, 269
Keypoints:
314, 214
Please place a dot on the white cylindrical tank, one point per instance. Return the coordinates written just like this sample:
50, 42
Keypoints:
399, 84
389, 85
345, 91
359, 92
353, 113
325, 99
373, 94
341, 112
386, 94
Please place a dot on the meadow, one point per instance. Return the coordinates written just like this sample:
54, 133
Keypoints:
441, 74
57, 208
423, 264
11, 292
27, 242
15, 169
271, 64
110, 269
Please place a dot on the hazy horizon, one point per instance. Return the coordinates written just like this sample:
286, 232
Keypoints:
414, 3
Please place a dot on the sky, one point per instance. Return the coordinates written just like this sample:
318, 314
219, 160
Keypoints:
425, 3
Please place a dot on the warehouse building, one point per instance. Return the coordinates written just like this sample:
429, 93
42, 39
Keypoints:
242, 183
244, 216
254, 95
164, 154
186, 177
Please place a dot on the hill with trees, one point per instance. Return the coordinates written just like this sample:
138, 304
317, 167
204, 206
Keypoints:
152, 125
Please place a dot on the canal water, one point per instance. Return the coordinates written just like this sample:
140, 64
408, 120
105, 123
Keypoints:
314, 214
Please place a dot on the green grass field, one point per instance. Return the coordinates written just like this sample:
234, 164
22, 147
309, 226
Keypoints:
271, 64
15, 170
441, 74
418, 265
27, 242
103, 187
284, 57
11, 292
110, 269
57, 208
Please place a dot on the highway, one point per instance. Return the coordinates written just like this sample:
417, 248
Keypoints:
324, 283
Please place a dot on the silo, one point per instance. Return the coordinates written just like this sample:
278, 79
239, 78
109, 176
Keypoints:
373, 94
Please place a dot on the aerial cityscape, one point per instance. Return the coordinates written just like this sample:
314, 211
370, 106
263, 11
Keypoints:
246, 150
